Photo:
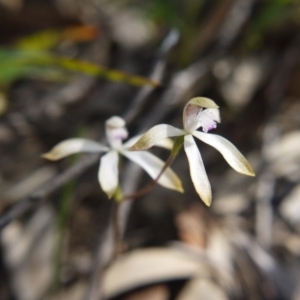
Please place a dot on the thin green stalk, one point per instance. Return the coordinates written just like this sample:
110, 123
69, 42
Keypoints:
118, 196
63, 219
64, 214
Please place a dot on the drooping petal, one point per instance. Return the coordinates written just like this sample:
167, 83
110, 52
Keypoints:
108, 173
72, 146
153, 165
197, 170
231, 154
155, 135
165, 143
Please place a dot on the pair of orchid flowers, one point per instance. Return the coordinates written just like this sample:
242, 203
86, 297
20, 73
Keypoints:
198, 113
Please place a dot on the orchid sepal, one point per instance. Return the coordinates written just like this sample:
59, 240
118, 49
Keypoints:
230, 153
197, 170
153, 165
155, 135
72, 146
166, 143
108, 174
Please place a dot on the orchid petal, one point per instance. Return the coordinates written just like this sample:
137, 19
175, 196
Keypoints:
108, 173
72, 146
116, 131
115, 122
116, 136
202, 102
191, 110
207, 119
155, 135
231, 154
213, 113
191, 121
165, 143
153, 165
197, 170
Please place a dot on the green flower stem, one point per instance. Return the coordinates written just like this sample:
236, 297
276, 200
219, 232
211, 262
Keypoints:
62, 222
177, 145
64, 215
118, 196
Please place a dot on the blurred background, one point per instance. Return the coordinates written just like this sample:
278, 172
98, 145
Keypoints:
68, 65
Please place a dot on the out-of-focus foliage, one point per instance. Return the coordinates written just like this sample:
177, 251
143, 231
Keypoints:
47, 39
31, 57
275, 15
19, 63
170, 13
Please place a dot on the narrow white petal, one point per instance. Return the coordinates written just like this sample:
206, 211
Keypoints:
109, 173
131, 141
231, 154
197, 170
71, 146
165, 143
153, 165
156, 134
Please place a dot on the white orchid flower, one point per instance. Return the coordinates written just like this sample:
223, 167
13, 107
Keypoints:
108, 170
198, 112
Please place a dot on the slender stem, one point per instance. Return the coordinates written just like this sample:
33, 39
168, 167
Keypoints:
176, 148
118, 199
150, 185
